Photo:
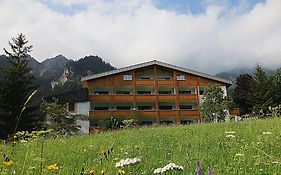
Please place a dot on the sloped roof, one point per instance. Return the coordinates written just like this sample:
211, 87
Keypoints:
159, 63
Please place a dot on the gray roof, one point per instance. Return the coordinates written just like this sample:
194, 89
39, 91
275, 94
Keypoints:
159, 63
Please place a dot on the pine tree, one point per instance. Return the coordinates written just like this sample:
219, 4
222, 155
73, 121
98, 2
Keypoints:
276, 88
15, 89
260, 91
242, 93
214, 105
59, 119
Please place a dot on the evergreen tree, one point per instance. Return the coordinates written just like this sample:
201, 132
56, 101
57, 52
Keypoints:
276, 88
261, 90
59, 119
213, 106
15, 90
242, 93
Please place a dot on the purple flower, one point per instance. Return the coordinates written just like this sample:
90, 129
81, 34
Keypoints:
210, 171
198, 168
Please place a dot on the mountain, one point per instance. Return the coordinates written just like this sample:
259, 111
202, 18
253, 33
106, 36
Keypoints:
3, 61
74, 70
88, 65
59, 74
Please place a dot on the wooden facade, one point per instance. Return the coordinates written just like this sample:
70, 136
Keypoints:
156, 92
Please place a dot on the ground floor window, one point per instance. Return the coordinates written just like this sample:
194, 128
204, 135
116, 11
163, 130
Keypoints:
71, 107
167, 122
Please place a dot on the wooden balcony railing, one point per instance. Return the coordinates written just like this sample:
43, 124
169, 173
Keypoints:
189, 113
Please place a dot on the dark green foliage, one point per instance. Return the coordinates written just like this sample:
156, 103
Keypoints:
88, 65
214, 105
15, 88
4, 62
276, 88
260, 90
242, 93
72, 85
59, 119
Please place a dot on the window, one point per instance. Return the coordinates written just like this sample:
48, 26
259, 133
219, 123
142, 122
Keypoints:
164, 92
144, 92
184, 92
164, 78
101, 108
71, 107
127, 77
146, 123
187, 122
166, 122
123, 107
186, 107
144, 107
123, 92
101, 92
180, 77
166, 107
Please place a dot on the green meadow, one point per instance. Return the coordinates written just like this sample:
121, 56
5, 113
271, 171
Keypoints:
248, 147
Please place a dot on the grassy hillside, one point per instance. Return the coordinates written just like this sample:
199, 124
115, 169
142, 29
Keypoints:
254, 148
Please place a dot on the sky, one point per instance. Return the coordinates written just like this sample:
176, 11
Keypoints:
209, 36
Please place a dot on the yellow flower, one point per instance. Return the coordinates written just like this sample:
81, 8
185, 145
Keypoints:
52, 167
103, 172
103, 152
120, 172
93, 172
8, 163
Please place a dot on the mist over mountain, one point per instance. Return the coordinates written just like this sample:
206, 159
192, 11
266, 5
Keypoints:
233, 74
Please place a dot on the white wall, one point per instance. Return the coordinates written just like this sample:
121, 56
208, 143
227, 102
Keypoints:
224, 91
83, 108
84, 124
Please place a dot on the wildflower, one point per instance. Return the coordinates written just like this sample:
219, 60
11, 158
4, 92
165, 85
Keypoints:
168, 167
210, 171
120, 172
230, 136
103, 152
267, 133
52, 167
103, 172
230, 132
125, 162
93, 172
8, 162
239, 154
32, 168
198, 168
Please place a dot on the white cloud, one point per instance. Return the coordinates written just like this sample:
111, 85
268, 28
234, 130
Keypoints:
129, 32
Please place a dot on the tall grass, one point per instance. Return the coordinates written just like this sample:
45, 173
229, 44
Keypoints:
254, 147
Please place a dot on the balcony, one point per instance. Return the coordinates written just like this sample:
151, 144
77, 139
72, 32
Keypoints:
111, 98
145, 82
167, 113
189, 113
166, 82
117, 113
188, 97
170, 97
148, 114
